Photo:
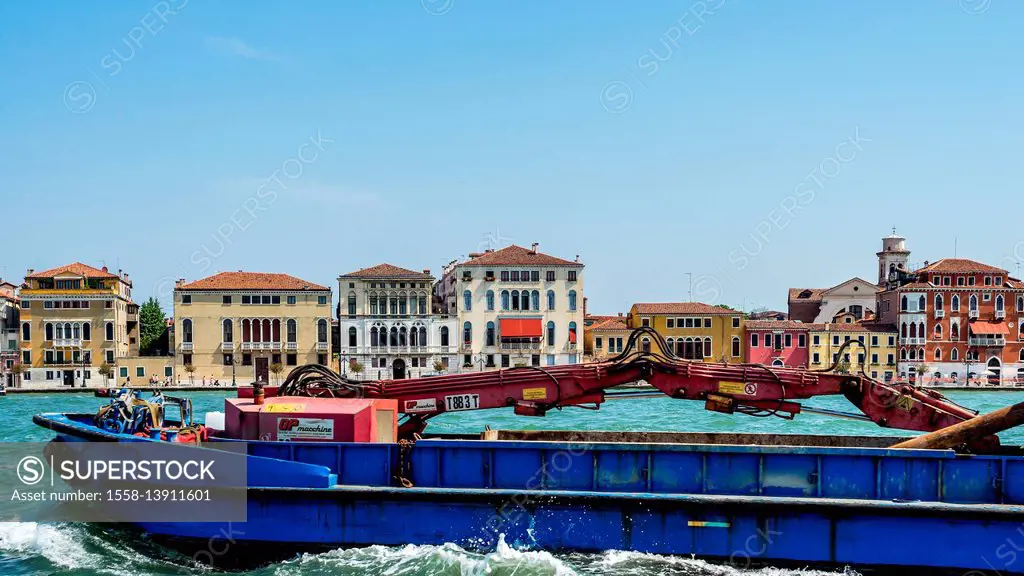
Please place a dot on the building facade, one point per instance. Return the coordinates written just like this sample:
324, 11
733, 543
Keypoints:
388, 325
777, 342
74, 319
694, 330
874, 350
606, 338
820, 305
515, 307
10, 307
243, 326
959, 322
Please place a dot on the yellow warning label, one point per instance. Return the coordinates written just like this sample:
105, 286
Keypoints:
535, 393
277, 408
731, 387
905, 403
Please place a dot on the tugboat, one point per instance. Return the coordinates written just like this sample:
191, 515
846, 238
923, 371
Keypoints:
346, 473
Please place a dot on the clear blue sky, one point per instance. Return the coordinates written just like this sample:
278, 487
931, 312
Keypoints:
651, 138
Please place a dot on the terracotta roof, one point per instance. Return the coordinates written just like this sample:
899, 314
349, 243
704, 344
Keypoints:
960, 265
517, 256
813, 294
250, 281
76, 268
921, 286
768, 315
680, 308
859, 327
387, 271
609, 325
777, 325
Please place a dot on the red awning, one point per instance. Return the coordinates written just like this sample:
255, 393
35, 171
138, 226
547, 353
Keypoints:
988, 328
572, 336
520, 328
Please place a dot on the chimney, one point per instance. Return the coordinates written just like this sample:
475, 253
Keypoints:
620, 314
577, 258
426, 270
533, 247
105, 269
584, 305
30, 272
179, 283
475, 255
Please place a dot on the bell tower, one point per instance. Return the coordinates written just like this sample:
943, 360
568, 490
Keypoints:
893, 257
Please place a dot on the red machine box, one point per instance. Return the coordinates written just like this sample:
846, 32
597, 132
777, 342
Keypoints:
299, 419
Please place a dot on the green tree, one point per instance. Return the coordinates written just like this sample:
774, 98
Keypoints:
17, 370
356, 367
106, 370
153, 328
438, 366
276, 368
843, 367
191, 374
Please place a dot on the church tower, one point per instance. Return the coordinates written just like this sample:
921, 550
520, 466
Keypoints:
894, 256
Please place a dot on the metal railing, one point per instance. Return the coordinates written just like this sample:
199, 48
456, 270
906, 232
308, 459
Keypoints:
939, 313
187, 346
916, 340
986, 341
323, 346
972, 314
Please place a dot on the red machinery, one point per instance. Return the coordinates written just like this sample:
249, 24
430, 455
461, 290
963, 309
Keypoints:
752, 389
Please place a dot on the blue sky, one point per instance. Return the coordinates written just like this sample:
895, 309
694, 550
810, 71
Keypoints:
754, 145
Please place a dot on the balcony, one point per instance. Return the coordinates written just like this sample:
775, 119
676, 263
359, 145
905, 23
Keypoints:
986, 341
227, 346
972, 314
918, 341
256, 346
323, 346
1000, 314
187, 346
520, 346
940, 313
67, 343
291, 346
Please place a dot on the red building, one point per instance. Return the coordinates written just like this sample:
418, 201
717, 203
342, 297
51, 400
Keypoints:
777, 342
958, 318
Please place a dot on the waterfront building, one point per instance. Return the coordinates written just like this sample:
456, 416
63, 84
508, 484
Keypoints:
694, 330
9, 317
958, 319
777, 342
74, 319
515, 307
820, 305
768, 315
874, 350
241, 326
387, 323
605, 337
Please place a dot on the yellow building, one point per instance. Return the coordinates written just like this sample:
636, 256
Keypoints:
874, 351
605, 338
74, 319
694, 330
237, 326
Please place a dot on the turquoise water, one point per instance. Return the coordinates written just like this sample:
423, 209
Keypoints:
87, 550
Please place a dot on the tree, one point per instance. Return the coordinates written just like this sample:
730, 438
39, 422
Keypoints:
152, 329
276, 368
922, 371
438, 366
106, 370
356, 367
17, 370
843, 367
191, 371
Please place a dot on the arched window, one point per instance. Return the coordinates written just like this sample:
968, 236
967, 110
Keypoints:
524, 299
954, 303
572, 300
76, 331
535, 299
938, 302
373, 336
403, 336
276, 328
267, 337
973, 305
515, 299
903, 353
913, 353
953, 377
186, 330
26, 332
903, 330
467, 300
551, 333
444, 336
423, 335
86, 331
645, 345
920, 330
903, 304
352, 304
671, 344
504, 300
321, 331
954, 332
913, 330
490, 299
921, 303
227, 331
572, 333
777, 363
393, 336
109, 329
490, 334
999, 303
938, 354
60, 331
954, 355
1020, 303
707, 347
467, 332
735, 346
938, 331
291, 330
352, 336
414, 337
551, 299
1021, 355
48, 329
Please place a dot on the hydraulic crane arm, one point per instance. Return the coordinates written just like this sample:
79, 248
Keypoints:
745, 388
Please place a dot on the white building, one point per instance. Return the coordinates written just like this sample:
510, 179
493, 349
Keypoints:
515, 307
388, 324
9, 306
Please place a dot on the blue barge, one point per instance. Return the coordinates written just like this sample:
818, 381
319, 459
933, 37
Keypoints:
740, 498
